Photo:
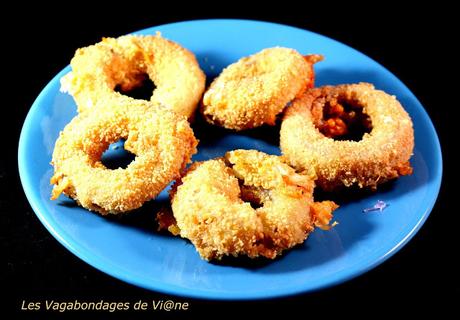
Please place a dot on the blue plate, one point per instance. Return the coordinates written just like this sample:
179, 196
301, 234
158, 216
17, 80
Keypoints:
139, 255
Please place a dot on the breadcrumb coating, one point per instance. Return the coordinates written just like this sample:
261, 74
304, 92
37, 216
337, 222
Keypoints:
162, 141
381, 155
254, 90
98, 69
213, 206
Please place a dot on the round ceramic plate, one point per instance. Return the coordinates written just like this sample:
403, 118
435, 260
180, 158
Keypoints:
130, 249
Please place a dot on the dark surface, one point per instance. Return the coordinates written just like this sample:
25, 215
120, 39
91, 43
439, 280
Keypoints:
414, 45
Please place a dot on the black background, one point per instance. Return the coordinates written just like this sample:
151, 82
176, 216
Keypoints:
415, 44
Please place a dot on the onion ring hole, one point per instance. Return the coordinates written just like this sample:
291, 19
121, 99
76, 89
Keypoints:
250, 194
116, 156
342, 120
142, 89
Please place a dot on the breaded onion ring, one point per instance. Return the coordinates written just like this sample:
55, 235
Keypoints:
382, 154
252, 91
212, 205
99, 69
162, 141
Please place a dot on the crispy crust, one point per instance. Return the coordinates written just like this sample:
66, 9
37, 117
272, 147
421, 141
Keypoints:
381, 155
98, 69
162, 141
211, 206
252, 91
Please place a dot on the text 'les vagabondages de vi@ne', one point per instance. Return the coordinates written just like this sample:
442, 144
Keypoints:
101, 305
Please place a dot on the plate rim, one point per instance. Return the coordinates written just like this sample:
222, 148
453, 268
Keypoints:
159, 286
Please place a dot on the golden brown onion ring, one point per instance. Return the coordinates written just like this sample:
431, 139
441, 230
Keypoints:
254, 90
162, 141
99, 69
381, 154
248, 203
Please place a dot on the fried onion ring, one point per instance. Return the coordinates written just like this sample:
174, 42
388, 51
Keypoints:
380, 155
123, 62
162, 141
255, 89
248, 203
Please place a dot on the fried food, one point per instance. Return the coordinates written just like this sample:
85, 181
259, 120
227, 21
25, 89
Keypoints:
124, 63
254, 90
161, 140
348, 135
247, 203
